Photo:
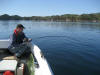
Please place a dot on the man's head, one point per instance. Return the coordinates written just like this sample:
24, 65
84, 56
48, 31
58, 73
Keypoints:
20, 28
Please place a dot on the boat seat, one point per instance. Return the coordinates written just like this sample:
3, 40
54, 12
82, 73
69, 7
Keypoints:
4, 53
9, 58
3, 50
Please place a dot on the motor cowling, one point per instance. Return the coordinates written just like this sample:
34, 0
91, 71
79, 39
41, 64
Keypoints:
8, 73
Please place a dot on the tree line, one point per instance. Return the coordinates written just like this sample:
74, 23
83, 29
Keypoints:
94, 17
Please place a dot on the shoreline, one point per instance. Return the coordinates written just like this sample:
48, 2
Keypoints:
53, 21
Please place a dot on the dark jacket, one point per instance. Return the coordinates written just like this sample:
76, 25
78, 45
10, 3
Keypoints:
16, 39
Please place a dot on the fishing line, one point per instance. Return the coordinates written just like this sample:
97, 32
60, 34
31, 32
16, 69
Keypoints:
76, 41
42, 37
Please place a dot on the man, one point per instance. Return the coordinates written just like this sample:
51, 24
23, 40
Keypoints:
18, 45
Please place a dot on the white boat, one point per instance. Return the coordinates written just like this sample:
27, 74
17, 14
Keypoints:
31, 65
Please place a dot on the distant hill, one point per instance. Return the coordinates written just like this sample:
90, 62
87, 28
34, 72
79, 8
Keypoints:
94, 17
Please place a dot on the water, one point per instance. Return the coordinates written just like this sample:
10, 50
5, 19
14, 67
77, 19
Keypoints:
71, 48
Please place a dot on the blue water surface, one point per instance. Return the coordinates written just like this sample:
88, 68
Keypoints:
71, 48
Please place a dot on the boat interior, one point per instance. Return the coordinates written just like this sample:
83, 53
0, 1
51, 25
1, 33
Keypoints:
6, 55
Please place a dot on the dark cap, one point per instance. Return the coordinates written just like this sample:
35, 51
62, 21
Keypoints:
20, 26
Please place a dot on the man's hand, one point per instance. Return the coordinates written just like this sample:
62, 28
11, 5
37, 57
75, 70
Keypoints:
27, 40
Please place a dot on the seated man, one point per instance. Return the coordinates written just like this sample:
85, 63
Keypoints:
19, 45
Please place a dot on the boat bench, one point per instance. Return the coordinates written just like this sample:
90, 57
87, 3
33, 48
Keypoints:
5, 53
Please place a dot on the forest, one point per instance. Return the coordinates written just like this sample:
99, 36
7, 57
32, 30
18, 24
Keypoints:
94, 17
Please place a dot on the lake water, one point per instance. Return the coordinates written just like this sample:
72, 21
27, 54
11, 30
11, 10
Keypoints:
71, 48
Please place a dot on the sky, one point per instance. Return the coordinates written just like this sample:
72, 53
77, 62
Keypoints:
48, 7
